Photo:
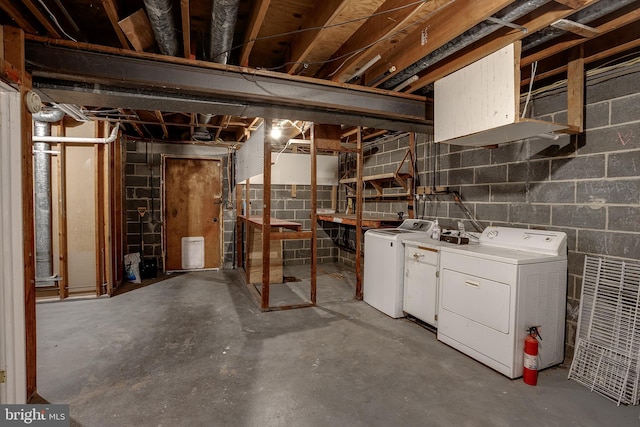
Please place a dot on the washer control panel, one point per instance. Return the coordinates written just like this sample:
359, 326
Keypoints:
544, 241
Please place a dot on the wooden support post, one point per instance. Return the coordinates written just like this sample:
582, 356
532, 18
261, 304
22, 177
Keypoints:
98, 154
13, 47
412, 174
575, 90
359, 206
314, 217
239, 212
63, 289
266, 214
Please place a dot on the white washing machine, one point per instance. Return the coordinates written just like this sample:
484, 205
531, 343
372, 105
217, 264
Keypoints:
384, 265
491, 293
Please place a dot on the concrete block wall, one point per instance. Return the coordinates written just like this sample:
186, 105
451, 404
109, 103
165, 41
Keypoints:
380, 157
586, 185
298, 209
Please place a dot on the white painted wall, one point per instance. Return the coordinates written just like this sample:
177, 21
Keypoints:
12, 320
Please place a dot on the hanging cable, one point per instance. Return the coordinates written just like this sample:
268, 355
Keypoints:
55, 21
534, 67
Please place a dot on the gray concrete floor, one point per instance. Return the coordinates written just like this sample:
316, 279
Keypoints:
194, 350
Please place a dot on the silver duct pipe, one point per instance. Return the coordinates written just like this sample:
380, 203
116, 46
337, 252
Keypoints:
160, 14
202, 133
42, 194
224, 14
584, 16
508, 14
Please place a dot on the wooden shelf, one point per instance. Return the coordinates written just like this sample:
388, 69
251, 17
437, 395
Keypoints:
367, 221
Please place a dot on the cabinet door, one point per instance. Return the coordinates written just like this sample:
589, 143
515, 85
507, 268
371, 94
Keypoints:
421, 290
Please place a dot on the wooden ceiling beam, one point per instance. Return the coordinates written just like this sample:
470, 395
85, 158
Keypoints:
607, 45
258, 13
535, 22
186, 27
444, 26
112, 13
135, 126
165, 131
53, 32
568, 41
15, 14
323, 14
388, 20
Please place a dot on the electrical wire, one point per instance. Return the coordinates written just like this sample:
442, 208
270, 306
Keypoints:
55, 21
534, 68
347, 54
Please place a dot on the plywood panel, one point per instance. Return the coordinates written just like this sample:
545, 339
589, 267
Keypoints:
250, 156
291, 168
478, 97
81, 212
254, 275
192, 207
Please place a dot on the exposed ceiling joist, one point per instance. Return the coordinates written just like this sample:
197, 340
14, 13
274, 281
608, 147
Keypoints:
259, 11
112, 13
305, 42
453, 20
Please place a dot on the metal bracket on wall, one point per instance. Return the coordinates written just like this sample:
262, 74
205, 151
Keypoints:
3, 377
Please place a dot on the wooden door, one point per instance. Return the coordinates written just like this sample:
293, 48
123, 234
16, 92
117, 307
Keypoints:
192, 208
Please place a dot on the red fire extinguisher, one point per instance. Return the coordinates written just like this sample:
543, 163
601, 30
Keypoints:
530, 371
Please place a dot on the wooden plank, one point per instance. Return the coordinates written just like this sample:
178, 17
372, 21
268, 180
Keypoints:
563, 43
290, 235
35, 10
266, 213
186, 28
322, 15
163, 125
98, 155
411, 153
239, 225
367, 220
63, 290
112, 14
573, 4
364, 44
575, 90
138, 30
118, 219
576, 28
499, 40
445, 25
259, 11
13, 47
359, 206
254, 273
314, 220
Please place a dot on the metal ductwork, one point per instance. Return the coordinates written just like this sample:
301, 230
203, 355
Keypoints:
202, 133
584, 16
224, 14
160, 13
42, 192
507, 15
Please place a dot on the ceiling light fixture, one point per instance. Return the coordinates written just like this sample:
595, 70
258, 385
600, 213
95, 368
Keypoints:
276, 133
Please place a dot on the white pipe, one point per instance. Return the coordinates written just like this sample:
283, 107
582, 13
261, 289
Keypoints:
406, 83
364, 68
78, 139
